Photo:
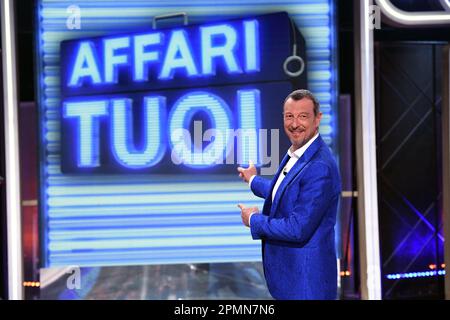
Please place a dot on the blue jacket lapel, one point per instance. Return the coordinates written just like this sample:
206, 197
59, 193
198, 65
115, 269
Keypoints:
296, 169
280, 168
268, 201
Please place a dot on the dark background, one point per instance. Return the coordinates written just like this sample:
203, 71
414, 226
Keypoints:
408, 90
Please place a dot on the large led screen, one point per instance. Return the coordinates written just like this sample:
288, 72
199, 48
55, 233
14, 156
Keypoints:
143, 124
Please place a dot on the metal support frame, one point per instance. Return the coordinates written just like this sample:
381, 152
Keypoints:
446, 163
433, 19
369, 251
414, 19
13, 209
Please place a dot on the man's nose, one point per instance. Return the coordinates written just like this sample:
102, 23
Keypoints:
295, 122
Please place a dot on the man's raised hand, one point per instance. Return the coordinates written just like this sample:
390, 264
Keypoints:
247, 173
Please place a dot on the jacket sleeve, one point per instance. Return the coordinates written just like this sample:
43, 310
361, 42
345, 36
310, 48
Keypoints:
260, 187
316, 195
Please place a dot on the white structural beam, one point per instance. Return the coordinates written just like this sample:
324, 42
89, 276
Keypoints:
425, 18
13, 210
369, 252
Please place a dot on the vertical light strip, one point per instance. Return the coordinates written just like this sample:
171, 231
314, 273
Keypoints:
366, 155
14, 241
446, 164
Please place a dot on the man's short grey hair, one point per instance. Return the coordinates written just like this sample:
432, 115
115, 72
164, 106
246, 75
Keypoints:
302, 94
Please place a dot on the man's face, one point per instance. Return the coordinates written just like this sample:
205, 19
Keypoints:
300, 123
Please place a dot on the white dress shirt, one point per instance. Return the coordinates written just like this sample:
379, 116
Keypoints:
294, 156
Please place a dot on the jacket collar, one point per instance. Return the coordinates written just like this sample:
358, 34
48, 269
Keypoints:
296, 169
